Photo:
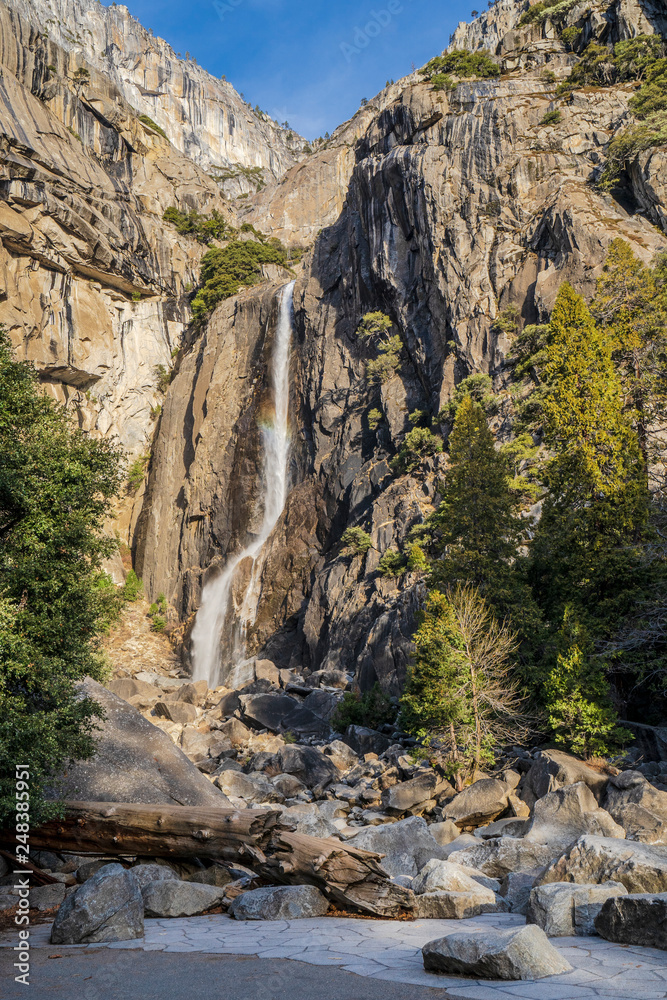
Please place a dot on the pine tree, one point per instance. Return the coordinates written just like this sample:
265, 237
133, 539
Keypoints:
476, 531
588, 546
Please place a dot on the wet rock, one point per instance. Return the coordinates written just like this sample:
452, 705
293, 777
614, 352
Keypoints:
108, 907
289, 902
562, 816
153, 873
363, 740
638, 807
504, 855
518, 953
173, 898
135, 762
594, 860
480, 803
407, 844
635, 919
563, 909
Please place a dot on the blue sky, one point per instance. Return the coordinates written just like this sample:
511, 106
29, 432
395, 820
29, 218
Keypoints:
305, 62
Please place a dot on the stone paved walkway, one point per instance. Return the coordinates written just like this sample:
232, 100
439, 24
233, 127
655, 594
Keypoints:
391, 950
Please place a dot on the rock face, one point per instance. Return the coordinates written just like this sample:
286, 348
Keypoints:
636, 919
518, 953
108, 907
289, 902
135, 762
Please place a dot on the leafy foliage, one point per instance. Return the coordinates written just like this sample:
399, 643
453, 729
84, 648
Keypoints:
355, 541
132, 589
373, 709
418, 444
462, 63
56, 491
477, 387
145, 120
392, 563
552, 117
202, 227
225, 270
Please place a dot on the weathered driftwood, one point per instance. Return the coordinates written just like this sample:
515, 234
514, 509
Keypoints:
253, 837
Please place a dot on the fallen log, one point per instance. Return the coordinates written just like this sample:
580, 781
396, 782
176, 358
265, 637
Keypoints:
254, 837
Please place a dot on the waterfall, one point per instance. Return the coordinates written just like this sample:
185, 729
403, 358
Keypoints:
216, 600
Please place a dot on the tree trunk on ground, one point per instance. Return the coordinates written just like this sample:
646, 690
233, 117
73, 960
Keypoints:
253, 837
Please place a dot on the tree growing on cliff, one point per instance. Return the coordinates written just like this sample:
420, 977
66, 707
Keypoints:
375, 327
56, 488
460, 693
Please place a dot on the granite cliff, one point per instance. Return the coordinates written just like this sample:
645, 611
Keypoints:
442, 209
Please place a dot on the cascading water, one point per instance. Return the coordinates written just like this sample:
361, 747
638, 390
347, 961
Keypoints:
210, 623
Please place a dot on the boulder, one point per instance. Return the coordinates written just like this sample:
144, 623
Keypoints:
363, 740
516, 953
288, 785
322, 703
504, 855
307, 818
108, 907
214, 875
508, 827
341, 754
552, 769
443, 905
130, 687
310, 766
516, 888
636, 919
594, 860
480, 803
459, 843
563, 909
153, 873
287, 902
235, 730
173, 898
638, 807
305, 723
251, 787
268, 711
407, 845
444, 833
46, 897
562, 816
176, 711
407, 795
438, 875
266, 670
90, 867
193, 693
134, 762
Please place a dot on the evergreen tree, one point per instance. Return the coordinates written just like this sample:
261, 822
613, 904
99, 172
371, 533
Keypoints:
587, 551
56, 488
476, 531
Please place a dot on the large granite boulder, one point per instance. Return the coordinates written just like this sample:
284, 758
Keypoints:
286, 902
364, 740
308, 818
134, 762
594, 860
443, 875
108, 907
564, 909
635, 919
553, 769
173, 898
444, 905
407, 795
517, 953
153, 873
516, 888
407, 845
253, 788
310, 766
562, 816
638, 807
504, 855
481, 802
47, 897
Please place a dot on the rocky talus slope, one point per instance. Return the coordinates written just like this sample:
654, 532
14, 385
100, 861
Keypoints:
452, 208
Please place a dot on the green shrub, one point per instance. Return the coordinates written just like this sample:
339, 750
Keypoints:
392, 563
202, 227
375, 418
569, 36
158, 613
479, 388
158, 624
132, 589
417, 561
417, 445
163, 377
355, 541
225, 271
554, 10
145, 120
443, 81
373, 709
461, 63
136, 296
552, 117
136, 473
382, 368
